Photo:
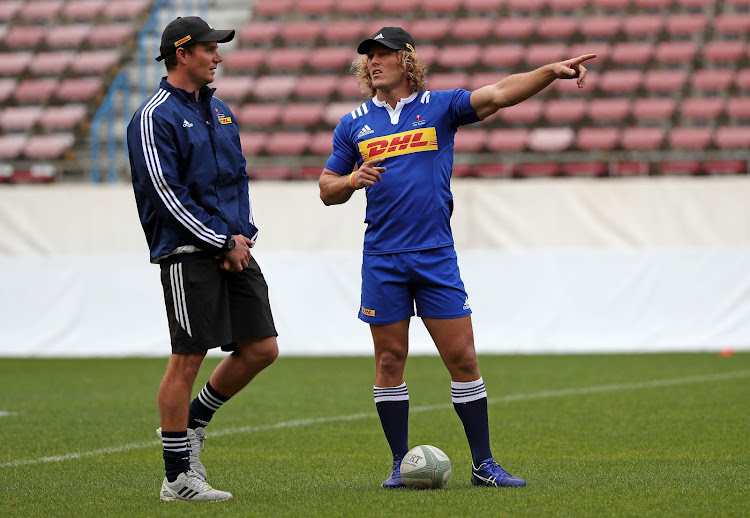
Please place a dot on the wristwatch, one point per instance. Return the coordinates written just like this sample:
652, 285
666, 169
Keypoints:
229, 244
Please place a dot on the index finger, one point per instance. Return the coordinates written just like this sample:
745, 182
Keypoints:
371, 163
581, 59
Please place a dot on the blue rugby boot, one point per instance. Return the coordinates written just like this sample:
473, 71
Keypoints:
395, 479
490, 473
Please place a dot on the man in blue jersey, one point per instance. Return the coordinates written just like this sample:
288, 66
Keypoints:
399, 145
191, 189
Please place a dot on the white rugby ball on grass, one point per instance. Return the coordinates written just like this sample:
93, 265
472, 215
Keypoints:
426, 467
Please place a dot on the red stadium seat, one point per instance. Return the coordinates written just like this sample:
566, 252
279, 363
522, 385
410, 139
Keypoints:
447, 80
601, 26
652, 5
695, 4
686, 24
638, 138
732, 137
675, 52
431, 29
271, 8
459, 56
67, 36
300, 31
51, 63
25, 37
322, 143
11, 146
7, 86
538, 54
346, 31
550, 139
315, 8
258, 115
110, 35
440, 7
679, 167
503, 139
711, 79
632, 53
513, 28
742, 79
468, 29
302, 114
359, 8
611, 5
567, 5
565, 110
41, 10
245, 60
288, 142
538, 170
525, 6
48, 146
127, 9
501, 55
556, 27
35, 90
81, 10
525, 112
398, 7
690, 137
270, 173
588, 169
628, 168
482, 6
334, 111
470, 140
287, 58
642, 25
348, 88
664, 80
494, 170
723, 52
259, 32
653, 108
480, 79
316, 86
65, 117
603, 50
597, 139
95, 61
725, 167
332, 58
427, 54
79, 89
9, 9
701, 108
738, 108
620, 81
15, 63
732, 24
233, 88
253, 142
608, 109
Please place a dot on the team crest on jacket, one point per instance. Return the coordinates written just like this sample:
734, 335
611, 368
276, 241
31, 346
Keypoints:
223, 119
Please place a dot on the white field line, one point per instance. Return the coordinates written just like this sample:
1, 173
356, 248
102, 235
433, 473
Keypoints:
5, 413
296, 423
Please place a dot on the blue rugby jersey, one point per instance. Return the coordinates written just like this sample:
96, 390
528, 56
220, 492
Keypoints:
411, 208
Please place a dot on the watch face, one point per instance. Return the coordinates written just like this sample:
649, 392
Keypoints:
230, 243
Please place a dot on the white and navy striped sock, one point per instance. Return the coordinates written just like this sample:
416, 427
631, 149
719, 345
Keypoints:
175, 453
203, 407
392, 404
470, 403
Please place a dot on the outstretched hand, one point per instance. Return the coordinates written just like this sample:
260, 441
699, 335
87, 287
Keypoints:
573, 69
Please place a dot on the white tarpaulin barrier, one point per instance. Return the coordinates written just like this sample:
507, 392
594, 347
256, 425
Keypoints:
550, 266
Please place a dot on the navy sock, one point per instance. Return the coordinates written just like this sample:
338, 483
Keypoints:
470, 402
202, 408
393, 408
175, 452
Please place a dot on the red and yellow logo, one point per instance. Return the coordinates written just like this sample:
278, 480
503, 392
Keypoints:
414, 141
368, 312
225, 120
183, 40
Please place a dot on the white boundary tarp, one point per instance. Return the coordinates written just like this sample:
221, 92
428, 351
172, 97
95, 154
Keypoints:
573, 265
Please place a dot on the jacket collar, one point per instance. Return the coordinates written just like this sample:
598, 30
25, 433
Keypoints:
205, 93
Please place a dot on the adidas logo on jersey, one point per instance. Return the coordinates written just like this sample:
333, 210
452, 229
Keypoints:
366, 130
186, 124
466, 304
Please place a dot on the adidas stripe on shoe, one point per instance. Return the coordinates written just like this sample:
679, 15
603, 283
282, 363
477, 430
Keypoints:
190, 486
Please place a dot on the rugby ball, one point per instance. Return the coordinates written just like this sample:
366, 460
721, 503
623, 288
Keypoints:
425, 467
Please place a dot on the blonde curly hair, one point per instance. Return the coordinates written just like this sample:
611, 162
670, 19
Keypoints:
416, 72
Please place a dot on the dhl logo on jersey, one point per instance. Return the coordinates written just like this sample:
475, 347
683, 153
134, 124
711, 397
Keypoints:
414, 141
225, 120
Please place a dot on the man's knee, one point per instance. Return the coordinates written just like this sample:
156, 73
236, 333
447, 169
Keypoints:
260, 353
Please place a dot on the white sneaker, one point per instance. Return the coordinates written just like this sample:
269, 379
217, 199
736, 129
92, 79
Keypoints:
195, 447
190, 486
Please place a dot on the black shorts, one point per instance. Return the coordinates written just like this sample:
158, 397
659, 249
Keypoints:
208, 307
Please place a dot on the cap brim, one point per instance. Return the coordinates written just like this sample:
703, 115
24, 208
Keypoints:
218, 36
365, 45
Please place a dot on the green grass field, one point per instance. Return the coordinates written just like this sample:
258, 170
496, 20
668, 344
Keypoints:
604, 435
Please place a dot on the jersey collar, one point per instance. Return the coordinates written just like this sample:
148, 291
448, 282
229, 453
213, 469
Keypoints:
395, 113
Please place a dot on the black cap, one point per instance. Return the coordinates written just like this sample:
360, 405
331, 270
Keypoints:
187, 31
394, 38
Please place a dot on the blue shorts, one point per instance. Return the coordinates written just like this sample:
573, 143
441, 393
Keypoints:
393, 283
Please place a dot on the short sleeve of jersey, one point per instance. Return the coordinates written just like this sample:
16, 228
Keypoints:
344, 155
461, 110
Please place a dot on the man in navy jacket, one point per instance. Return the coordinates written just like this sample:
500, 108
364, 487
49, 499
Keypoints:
191, 189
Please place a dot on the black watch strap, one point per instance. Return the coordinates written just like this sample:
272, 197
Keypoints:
229, 244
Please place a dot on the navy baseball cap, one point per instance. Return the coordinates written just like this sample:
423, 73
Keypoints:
187, 31
394, 38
